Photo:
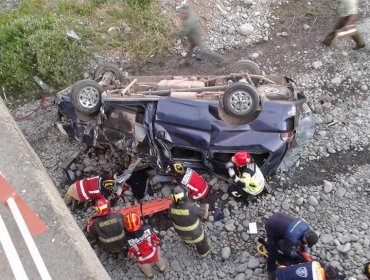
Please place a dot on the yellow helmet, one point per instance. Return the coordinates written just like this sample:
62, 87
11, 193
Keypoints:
178, 194
108, 183
178, 167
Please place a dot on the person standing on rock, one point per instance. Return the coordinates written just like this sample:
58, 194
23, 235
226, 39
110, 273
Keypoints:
143, 245
348, 11
288, 234
107, 227
248, 178
191, 28
195, 184
186, 218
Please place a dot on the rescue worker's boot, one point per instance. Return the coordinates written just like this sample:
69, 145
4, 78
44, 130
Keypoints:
204, 247
161, 262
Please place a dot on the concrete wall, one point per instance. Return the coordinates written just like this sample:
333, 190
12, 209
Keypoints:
66, 252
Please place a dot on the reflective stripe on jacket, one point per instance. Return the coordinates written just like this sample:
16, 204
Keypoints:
143, 244
109, 231
185, 216
195, 184
88, 189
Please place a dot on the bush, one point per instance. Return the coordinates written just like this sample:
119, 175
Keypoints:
37, 45
34, 41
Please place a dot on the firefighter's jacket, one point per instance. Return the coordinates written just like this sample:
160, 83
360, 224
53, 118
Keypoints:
248, 178
108, 230
143, 245
186, 218
308, 271
92, 188
195, 184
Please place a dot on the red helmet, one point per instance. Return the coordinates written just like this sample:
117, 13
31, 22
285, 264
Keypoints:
102, 207
241, 158
132, 222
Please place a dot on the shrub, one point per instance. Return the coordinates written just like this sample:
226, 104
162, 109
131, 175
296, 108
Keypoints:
34, 41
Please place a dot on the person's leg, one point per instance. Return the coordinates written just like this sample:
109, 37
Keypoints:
71, 194
161, 262
204, 247
360, 43
189, 54
210, 54
330, 37
146, 269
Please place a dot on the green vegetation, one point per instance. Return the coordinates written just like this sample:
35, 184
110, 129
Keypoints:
34, 41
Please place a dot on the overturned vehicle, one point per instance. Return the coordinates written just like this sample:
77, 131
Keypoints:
199, 120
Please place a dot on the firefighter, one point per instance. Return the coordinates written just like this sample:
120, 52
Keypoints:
309, 271
195, 184
91, 188
289, 235
186, 218
107, 227
248, 178
143, 244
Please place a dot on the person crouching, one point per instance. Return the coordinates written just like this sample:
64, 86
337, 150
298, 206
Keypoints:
107, 227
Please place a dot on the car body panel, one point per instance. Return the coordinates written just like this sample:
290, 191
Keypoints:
194, 131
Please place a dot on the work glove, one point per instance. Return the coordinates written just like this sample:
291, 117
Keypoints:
229, 165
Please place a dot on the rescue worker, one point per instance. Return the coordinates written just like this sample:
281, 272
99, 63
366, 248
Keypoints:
143, 244
289, 235
186, 218
107, 227
247, 176
195, 184
309, 271
348, 10
191, 28
91, 188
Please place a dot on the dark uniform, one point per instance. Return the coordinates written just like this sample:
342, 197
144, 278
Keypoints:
186, 217
309, 271
191, 28
284, 232
108, 230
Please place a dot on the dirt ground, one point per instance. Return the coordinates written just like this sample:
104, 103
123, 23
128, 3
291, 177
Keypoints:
291, 19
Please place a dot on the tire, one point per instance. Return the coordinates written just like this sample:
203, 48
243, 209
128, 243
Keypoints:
86, 96
248, 66
108, 67
240, 100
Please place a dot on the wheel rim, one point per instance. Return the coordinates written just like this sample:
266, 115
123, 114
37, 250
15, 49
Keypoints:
240, 102
89, 97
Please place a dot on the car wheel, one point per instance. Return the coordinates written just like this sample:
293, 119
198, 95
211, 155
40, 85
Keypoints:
112, 69
240, 100
86, 96
247, 66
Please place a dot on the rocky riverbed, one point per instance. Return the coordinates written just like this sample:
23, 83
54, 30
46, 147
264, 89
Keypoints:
329, 186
